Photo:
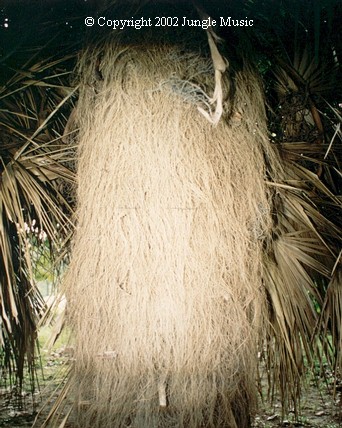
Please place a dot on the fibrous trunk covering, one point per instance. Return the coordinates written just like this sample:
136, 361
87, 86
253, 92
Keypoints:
164, 288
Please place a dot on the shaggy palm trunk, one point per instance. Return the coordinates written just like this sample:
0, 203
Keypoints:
164, 288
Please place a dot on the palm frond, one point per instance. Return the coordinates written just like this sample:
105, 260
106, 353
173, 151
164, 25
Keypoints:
36, 168
302, 255
331, 319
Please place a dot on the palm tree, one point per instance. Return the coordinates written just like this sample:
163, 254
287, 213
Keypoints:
298, 55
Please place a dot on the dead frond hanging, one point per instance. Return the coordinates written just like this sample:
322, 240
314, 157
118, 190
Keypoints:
164, 289
35, 168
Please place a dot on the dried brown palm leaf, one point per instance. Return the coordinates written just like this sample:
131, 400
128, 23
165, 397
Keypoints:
301, 255
331, 318
35, 165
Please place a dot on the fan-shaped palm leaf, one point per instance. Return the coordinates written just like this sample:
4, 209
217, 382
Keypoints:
36, 167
